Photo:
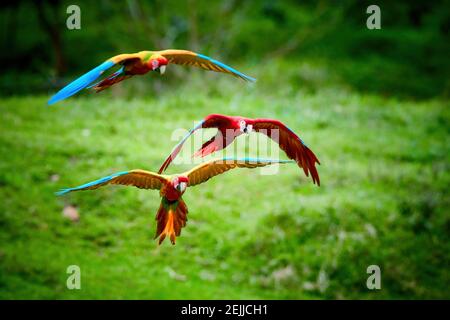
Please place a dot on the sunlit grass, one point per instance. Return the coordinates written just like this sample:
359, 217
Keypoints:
383, 198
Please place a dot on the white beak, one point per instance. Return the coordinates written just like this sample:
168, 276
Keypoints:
183, 186
162, 69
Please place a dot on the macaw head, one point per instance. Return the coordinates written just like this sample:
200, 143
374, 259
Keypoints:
180, 183
243, 126
158, 63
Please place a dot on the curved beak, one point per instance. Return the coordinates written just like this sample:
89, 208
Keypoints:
162, 69
182, 186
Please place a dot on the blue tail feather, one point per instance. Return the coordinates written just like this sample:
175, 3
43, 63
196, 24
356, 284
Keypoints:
80, 83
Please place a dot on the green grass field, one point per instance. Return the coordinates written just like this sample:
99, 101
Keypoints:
383, 200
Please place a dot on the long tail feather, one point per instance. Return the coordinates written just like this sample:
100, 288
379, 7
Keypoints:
80, 83
171, 217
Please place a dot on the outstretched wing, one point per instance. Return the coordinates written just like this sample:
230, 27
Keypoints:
291, 144
211, 121
189, 58
89, 77
138, 178
205, 171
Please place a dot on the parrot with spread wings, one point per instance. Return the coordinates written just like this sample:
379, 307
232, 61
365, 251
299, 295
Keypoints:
230, 127
140, 63
172, 213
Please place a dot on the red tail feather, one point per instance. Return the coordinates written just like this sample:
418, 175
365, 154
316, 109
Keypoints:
108, 82
171, 217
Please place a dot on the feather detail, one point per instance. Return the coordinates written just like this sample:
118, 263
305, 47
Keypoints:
111, 80
93, 184
80, 83
138, 178
189, 58
233, 71
171, 217
206, 170
208, 147
291, 144
178, 147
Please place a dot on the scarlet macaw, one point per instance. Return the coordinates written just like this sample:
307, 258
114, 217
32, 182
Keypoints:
230, 127
140, 63
172, 213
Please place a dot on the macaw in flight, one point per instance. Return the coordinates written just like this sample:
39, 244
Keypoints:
230, 127
140, 63
172, 213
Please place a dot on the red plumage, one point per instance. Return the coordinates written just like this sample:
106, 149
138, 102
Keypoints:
230, 127
171, 217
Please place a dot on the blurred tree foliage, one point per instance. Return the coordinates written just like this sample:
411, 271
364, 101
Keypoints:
407, 57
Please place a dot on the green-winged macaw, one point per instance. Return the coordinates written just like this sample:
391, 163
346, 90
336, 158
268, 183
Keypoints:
172, 213
140, 63
230, 127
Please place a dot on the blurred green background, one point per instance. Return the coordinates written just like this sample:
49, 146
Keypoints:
372, 104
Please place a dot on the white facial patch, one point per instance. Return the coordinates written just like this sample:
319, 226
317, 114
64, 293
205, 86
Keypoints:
242, 125
155, 64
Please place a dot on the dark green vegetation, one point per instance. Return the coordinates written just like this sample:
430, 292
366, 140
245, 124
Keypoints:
378, 121
408, 57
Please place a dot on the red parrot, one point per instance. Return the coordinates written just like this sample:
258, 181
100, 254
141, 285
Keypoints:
230, 127
140, 63
172, 213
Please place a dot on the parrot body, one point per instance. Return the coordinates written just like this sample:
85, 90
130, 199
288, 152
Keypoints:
230, 127
141, 63
172, 212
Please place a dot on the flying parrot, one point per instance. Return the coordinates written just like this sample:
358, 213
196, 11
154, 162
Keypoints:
230, 127
172, 213
140, 63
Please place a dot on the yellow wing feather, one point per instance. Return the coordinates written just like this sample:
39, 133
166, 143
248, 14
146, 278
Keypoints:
205, 171
141, 179
189, 58
137, 178
127, 57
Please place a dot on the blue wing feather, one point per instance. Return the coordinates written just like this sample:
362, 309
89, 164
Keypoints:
177, 148
197, 126
80, 83
220, 64
92, 183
